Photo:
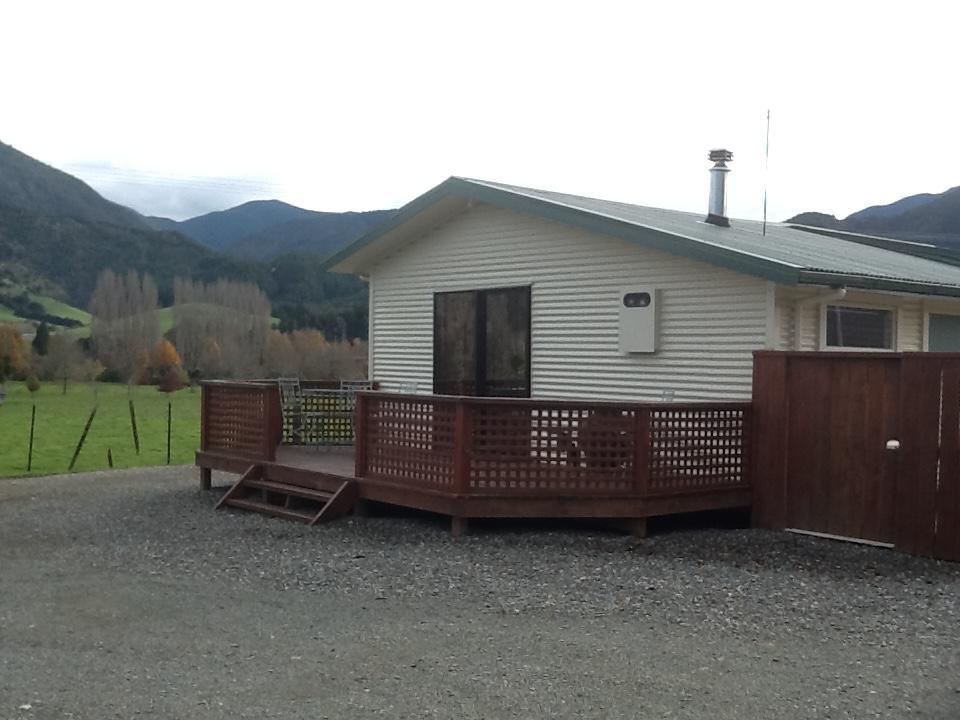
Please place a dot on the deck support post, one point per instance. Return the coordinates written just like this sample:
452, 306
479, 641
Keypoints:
459, 526
206, 477
361, 508
361, 412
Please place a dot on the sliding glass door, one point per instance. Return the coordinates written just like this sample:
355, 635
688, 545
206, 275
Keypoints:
481, 342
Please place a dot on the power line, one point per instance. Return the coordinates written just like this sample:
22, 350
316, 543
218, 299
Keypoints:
137, 177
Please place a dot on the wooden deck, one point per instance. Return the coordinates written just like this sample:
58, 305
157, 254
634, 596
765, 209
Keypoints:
485, 457
332, 461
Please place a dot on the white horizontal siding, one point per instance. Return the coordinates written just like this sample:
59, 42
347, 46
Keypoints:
710, 319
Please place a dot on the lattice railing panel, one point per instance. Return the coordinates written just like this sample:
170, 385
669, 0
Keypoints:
551, 449
410, 440
235, 419
325, 417
697, 449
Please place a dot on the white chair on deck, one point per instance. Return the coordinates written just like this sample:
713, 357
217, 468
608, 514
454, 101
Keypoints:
298, 422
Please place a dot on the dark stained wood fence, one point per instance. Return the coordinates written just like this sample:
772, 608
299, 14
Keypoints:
536, 448
240, 419
821, 426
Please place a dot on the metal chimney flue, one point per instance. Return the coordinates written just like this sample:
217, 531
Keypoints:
717, 210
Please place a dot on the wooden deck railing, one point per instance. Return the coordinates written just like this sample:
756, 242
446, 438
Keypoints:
538, 448
240, 418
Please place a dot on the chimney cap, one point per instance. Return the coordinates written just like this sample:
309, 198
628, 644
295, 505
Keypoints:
717, 208
721, 156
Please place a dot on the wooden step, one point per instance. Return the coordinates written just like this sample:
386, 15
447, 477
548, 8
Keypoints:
268, 509
340, 503
302, 478
285, 489
330, 504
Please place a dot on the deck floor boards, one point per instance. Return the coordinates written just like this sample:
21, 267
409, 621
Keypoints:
330, 460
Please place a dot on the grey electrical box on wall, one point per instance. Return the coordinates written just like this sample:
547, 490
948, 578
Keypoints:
638, 320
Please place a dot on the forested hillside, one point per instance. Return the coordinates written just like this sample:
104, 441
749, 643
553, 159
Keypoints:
31, 185
266, 229
320, 234
57, 234
925, 217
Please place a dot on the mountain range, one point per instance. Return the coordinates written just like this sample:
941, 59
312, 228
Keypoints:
265, 229
928, 217
57, 234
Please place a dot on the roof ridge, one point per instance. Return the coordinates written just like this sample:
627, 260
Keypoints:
786, 254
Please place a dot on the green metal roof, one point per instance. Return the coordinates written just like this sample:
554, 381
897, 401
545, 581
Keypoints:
787, 254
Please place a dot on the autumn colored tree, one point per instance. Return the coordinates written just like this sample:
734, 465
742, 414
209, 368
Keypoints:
280, 357
14, 356
165, 368
322, 360
163, 355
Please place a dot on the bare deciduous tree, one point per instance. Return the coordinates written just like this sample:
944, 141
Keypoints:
232, 315
65, 361
124, 325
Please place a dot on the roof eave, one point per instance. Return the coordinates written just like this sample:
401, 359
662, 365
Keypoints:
925, 250
338, 261
862, 282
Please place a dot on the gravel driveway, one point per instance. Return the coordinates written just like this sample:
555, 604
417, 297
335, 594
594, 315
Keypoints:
125, 595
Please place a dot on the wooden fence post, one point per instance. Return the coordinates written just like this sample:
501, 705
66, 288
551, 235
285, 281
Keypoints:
83, 436
274, 421
33, 418
462, 440
769, 427
206, 476
360, 418
204, 413
133, 425
641, 450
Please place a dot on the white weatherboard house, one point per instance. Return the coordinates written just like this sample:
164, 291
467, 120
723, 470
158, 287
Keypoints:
479, 288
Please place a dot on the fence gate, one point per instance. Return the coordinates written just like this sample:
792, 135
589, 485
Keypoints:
822, 463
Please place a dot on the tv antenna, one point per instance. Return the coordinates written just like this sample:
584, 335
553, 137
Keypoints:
766, 174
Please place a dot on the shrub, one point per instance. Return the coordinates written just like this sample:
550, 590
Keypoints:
13, 352
110, 375
172, 379
32, 383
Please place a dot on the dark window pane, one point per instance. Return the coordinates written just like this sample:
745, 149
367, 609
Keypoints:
859, 327
455, 343
481, 342
507, 356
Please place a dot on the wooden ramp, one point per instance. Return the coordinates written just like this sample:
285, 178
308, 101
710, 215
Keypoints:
267, 489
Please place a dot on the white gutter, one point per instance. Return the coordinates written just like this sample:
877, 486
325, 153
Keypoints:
829, 296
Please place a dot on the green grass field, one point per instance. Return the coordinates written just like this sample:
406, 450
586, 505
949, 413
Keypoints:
8, 316
60, 421
55, 307
61, 309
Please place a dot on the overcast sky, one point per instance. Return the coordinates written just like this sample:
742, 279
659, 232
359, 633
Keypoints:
181, 108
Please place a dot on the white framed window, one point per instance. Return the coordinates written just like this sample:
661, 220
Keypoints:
858, 327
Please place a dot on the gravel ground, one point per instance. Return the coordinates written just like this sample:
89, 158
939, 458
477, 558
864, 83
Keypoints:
124, 595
